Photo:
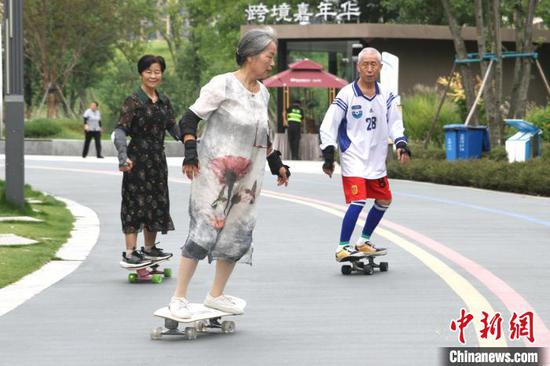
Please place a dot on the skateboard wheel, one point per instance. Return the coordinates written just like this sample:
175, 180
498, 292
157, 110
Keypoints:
228, 326
168, 272
383, 266
368, 269
170, 324
156, 333
156, 278
132, 277
191, 333
346, 269
202, 326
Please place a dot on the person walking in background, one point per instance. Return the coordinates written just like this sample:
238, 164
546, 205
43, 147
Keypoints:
146, 115
360, 120
226, 170
92, 129
294, 120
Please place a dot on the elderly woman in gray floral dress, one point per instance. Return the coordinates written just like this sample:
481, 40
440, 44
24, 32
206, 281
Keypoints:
226, 169
146, 116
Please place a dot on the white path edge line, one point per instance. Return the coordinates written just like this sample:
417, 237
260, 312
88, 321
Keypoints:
83, 238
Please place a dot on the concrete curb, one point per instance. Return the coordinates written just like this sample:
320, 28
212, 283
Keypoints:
83, 238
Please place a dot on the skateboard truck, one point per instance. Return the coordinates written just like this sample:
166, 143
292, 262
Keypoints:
359, 265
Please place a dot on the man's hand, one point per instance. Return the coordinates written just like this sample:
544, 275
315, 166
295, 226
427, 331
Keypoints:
328, 155
403, 152
328, 169
127, 166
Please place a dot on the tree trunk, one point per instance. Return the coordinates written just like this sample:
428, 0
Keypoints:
498, 69
523, 21
482, 47
465, 70
527, 62
518, 65
51, 102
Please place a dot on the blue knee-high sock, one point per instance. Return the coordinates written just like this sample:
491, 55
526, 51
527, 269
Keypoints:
350, 219
374, 217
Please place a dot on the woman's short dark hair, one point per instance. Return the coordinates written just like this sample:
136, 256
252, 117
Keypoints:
253, 43
146, 61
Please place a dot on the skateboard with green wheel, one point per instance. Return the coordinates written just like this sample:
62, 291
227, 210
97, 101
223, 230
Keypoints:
149, 272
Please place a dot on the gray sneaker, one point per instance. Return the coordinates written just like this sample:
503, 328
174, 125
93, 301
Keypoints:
155, 253
134, 260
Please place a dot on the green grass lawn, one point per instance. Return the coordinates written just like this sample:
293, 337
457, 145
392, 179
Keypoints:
17, 261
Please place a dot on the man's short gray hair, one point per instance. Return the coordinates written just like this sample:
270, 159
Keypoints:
254, 42
369, 51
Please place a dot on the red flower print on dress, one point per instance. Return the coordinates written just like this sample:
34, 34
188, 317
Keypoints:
229, 169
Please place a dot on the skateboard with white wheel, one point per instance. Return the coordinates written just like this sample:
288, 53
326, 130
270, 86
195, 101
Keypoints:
364, 264
203, 319
148, 272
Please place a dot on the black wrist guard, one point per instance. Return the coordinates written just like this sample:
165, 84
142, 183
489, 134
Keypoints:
328, 155
403, 146
191, 156
275, 163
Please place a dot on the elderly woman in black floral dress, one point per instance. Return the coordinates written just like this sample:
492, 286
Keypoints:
146, 116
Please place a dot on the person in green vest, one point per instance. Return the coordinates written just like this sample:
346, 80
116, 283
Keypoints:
294, 119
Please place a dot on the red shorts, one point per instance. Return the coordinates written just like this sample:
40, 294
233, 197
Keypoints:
357, 188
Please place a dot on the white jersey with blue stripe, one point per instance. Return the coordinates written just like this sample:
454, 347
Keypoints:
360, 127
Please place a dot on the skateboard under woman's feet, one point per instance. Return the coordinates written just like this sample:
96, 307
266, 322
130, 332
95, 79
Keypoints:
148, 271
202, 320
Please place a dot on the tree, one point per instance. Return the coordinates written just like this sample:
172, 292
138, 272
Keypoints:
523, 22
68, 40
460, 47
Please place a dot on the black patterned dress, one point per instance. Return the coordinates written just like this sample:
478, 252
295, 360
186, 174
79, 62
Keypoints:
145, 200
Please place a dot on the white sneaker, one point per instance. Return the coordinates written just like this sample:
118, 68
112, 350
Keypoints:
179, 307
225, 303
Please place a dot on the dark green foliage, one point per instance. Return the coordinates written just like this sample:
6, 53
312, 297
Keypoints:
531, 177
540, 117
42, 127
419, 110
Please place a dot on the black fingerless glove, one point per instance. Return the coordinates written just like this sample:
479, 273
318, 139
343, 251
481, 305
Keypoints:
275, 163
328, 155
191, 156
403, 146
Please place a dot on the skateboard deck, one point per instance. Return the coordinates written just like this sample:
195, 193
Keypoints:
148, 272
364, 263
201, 321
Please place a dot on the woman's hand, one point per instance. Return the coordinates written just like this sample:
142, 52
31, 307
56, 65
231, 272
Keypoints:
190, 170
282, 177
127, 166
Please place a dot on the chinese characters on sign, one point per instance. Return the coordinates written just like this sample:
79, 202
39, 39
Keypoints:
519, 326
326, 11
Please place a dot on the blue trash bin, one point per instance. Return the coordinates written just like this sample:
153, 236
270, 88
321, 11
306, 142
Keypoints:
465, 142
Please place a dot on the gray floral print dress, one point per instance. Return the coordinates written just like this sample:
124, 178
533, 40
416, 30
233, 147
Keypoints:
145, 199
232, 153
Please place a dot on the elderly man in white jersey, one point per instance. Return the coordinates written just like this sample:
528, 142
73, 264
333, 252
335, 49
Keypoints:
359, 122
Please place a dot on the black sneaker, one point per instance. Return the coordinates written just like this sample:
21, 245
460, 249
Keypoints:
134, 260
155, 253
